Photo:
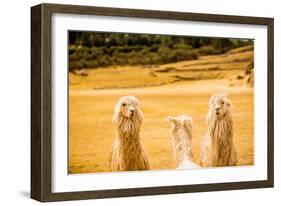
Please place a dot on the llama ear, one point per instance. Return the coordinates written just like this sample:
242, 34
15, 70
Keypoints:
140, 115
136, 99
212, 98
171, 119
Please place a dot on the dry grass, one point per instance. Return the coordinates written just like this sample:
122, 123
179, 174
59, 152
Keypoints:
91, 131
117, 77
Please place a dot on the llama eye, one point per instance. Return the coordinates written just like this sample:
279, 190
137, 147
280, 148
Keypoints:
123, 104
222, 103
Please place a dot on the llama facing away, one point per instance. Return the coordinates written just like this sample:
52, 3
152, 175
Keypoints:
127, 150
181, 135
217, 148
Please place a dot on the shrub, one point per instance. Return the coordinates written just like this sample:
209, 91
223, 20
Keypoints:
182, 46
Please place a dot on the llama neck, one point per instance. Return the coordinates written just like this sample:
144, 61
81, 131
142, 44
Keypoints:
221, 132
128, 130
182, 144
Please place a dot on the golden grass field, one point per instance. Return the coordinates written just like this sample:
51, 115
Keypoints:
174, 89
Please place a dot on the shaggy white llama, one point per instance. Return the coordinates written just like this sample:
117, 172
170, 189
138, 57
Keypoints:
181, 134
217, 148
127, 150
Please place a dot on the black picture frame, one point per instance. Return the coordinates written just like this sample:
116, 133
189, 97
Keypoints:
41, 95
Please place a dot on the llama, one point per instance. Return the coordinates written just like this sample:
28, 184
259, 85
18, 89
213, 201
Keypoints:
127, 150
217, 148
181, 134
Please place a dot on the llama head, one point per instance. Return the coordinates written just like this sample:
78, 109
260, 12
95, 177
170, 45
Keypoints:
219, 106
127, 107
181, 121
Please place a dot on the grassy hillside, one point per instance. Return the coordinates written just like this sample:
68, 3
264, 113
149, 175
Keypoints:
231, 65
101, 49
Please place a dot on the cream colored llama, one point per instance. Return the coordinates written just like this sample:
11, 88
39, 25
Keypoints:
127, 150
217, 148
181, 134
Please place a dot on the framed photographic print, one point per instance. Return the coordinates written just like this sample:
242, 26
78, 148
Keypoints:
130, 102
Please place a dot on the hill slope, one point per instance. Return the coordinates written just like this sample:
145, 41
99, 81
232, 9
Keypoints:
235, 65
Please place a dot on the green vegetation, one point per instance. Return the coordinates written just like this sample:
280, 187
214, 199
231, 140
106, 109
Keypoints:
92, 49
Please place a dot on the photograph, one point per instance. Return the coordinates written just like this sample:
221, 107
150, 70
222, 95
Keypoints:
134, 102
159, 102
